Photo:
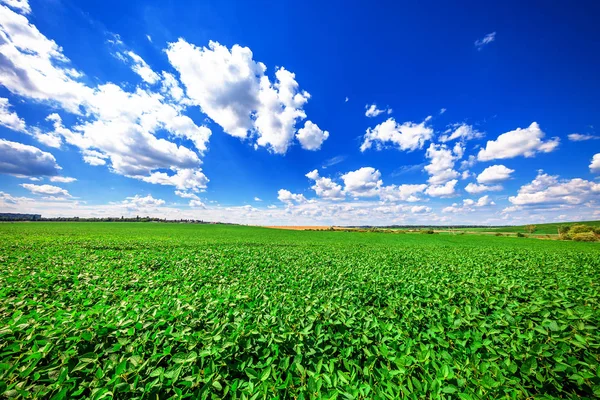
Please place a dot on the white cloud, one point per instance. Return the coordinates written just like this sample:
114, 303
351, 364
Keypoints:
325, 187
122, 133
186, 195
442, 159
62, 179
578, 137
224, 83
469, 205
280, 106
520, 142
494, 174
183, 179
373, 111
33, 66
94, 158
46, 189
442, 110
233, 90
347, 99
197, 203
257, 199
117, 128
149, 38
288, 197
170, 87
141, 68
24, 160
364, 182
420, 209
403, 192
474, 188
485, 201
468, 163
445, 190
311, 137
487, 39
9, 118
21, 6
463, 132
51, 138
549, 189
139, 203
7, 200
405, 136
595, 164
333, 161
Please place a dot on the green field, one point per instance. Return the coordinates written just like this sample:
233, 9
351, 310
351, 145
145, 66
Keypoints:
147, 310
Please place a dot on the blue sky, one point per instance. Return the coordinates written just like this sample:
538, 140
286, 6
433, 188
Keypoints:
301, 113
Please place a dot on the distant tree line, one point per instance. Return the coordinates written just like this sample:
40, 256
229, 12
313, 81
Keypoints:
19, 217
37, 217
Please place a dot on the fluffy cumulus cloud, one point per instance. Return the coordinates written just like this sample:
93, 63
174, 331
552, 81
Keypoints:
23, 160
373, 111
117, 128
520, 142
194, 199
46, 190
494, 174
124, 129
469, 205
62, 179
235, 92
21, 6
325, 188
406, 136
186, 195
9, 118
550, 190
364, 182
94, 158
196, 203
280, 107
442, 159
595, 164
461, 131
445, 190
420, 209
405, 192
138, 203
311, 137
288, 197
35, 67
51, 138
184, 179
224, 83
475, 188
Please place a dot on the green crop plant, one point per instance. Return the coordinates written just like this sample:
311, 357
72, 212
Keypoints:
147, 311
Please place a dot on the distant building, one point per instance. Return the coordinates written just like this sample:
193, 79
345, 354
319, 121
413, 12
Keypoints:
19, 217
